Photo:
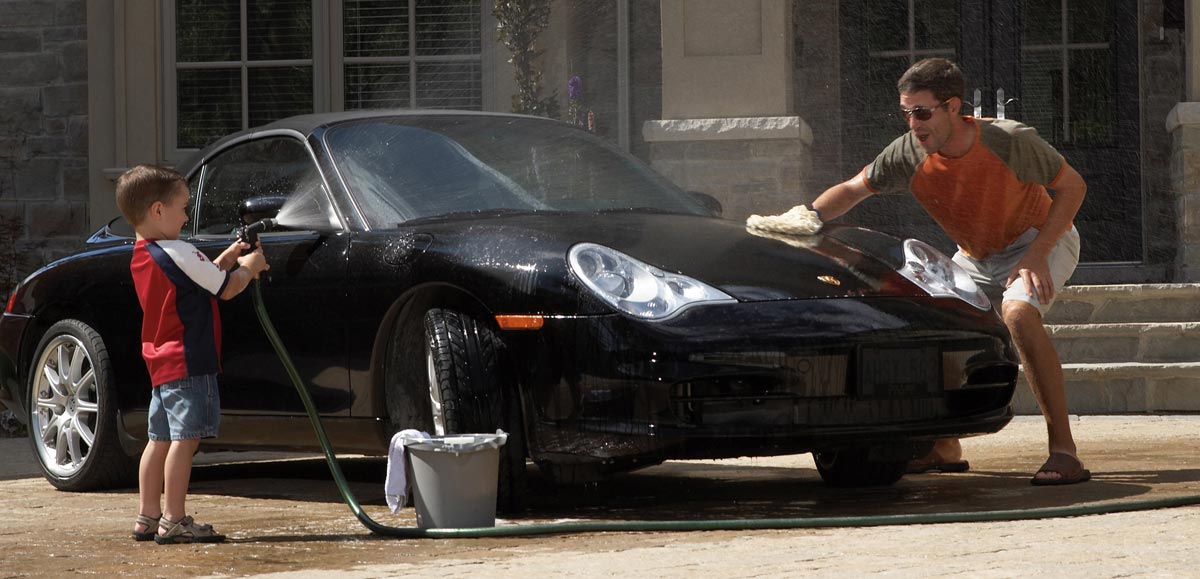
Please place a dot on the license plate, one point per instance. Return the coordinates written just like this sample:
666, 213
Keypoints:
899, 372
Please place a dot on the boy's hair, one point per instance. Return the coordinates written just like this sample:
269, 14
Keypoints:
936, 75
139, 187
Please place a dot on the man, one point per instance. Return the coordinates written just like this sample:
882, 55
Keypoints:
984, 181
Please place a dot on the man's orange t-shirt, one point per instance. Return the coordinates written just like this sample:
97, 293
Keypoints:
985, 199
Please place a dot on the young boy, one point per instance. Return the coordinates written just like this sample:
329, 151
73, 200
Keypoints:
181, 340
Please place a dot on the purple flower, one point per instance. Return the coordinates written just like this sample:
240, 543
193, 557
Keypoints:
574, 88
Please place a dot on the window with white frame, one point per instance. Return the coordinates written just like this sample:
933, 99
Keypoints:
234, 64
415, 54
239, 63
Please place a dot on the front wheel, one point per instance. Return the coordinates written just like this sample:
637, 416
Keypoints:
471, 392
853, 468
73, 411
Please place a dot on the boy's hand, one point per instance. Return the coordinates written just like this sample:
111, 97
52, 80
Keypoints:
250, 265
229, 257
254, 262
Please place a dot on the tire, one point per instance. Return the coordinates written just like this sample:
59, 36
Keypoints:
73, 411
851, 468
471, 391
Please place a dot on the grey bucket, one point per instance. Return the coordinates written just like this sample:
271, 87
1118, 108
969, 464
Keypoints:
455, 477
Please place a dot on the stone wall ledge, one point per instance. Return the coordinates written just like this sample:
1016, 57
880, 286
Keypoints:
1184, 113
727, 129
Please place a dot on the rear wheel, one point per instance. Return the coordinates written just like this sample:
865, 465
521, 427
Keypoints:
470, 391
852, 468
73, 411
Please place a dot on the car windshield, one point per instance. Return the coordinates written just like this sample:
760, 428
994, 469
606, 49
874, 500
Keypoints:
405, 168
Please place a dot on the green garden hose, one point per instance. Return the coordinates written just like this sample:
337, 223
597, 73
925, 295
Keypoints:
661, 526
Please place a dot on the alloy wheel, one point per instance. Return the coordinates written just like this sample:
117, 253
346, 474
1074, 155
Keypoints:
66, 406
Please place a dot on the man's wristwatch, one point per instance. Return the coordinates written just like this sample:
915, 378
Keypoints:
815, 210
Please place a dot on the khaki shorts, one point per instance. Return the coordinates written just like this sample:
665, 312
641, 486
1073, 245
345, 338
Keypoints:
992, 272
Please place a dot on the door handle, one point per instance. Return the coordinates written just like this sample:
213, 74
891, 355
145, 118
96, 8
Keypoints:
1000, 102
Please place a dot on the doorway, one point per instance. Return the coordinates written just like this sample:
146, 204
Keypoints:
1069, 68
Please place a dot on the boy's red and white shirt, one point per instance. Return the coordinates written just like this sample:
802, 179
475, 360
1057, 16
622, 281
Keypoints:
177, 287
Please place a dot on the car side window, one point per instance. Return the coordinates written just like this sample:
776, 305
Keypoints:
271, 167
193, 186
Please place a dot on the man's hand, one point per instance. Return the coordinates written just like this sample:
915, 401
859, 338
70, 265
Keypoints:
1034, 270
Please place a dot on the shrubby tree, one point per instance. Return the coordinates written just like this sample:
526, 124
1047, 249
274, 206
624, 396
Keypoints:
518, 24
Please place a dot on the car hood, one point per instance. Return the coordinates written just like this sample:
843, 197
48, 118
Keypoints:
840, 261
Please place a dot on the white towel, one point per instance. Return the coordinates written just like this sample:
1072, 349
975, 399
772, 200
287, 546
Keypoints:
396, 485
799, 220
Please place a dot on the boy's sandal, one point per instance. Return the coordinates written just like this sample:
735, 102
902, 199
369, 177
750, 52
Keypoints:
185, 530
151, 526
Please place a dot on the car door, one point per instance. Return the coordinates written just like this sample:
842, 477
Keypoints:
304, 290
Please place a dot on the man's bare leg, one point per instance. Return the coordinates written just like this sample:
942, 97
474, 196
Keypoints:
1044, 372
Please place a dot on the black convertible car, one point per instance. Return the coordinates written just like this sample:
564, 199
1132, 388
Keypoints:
463, 272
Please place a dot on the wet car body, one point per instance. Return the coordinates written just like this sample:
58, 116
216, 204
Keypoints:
814, 343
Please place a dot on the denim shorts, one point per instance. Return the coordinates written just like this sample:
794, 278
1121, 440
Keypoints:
185, 409
992, 271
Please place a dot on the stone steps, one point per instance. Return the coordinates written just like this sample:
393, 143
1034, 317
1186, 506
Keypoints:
1114, 304
1130, 342
1125, 349
1122, 388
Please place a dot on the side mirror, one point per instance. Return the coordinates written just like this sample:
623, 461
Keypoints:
708, 202
256, 209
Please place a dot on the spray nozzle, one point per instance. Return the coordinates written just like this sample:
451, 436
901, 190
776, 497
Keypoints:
249, 233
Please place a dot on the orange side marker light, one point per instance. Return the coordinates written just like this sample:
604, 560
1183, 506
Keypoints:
520, 322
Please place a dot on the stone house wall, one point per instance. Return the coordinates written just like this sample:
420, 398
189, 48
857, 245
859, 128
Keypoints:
44, 184
43, 133
1162, 70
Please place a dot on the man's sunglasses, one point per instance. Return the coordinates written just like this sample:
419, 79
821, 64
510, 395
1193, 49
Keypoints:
921, 113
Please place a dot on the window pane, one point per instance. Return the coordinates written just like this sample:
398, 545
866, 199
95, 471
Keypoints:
1089, 20
208, 30
887, 25
936, 23
1041, 82
882, 102
447, 27
372, 86
1093, 109
276, 93
1043, 21
279, 29
270, 167
375, 28
449, 85
210, 105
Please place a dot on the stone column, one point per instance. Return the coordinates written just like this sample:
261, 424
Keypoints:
1191, 32
124, 104
1183, 123
728, 128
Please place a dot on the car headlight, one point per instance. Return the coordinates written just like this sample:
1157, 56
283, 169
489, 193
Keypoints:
937, 274
635, 287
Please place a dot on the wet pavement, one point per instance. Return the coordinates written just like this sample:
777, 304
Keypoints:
286, 519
